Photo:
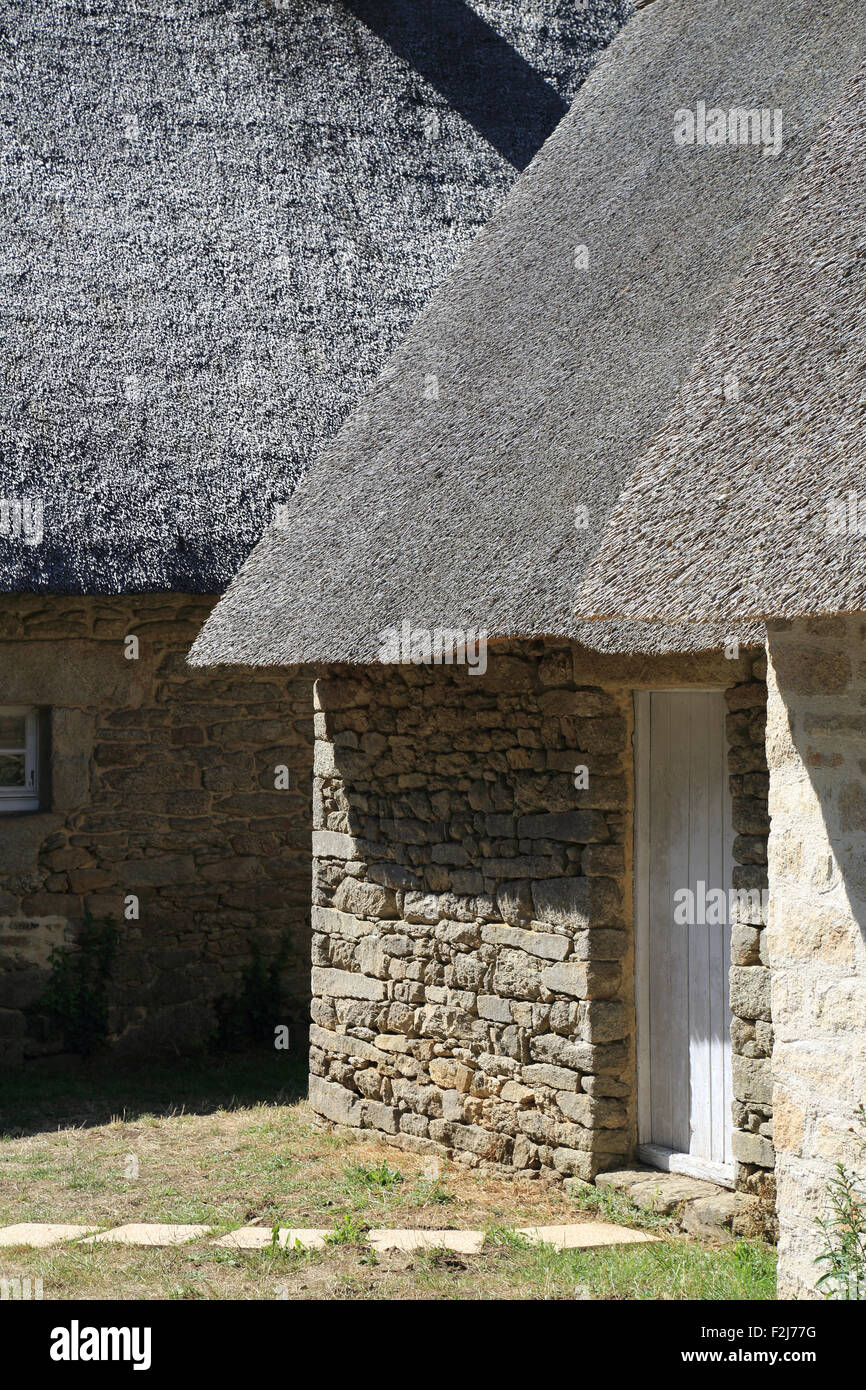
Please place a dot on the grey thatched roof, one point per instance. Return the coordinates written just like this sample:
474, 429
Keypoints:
530, 387
752, 500
219, 217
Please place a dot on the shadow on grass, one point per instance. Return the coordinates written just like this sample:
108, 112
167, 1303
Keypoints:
70, 1092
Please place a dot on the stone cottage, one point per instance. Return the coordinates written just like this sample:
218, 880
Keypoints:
540, 833
682, 547
219, 220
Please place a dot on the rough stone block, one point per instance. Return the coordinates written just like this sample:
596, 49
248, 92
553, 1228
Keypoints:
664, 1192
545, 1074
711, 1216
161, 871
752, 1148
752, 1079
332, 844
495, 1009
517, 975
573, 826
592, 1112
335, 1102
750, 992
365, 899
807, 669
624, 1179
345, 984
603, 1021
546, 945
376, 1115
583, 979
576, 1163
745, 945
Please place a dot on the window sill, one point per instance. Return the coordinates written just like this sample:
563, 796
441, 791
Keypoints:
18, 806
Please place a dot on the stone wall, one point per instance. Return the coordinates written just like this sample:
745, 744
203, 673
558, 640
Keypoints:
816, 745
472, 968
472, 938
162, 788
751, 1027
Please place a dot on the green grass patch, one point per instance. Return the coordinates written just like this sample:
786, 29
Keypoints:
228, 1143
429, 1192
616, 1207
674, 1269
378, 1178
349, 1230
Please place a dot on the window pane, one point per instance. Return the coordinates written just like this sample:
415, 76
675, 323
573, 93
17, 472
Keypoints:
12, 770
12, 731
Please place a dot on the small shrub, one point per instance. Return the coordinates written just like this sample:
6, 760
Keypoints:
380, 1178
250, 1016
290, 1253
506, 1237
349, 1230
844, 1229
76, 995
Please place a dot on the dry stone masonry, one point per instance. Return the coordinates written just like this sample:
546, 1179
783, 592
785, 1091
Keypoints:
751, 1028
816, 746
472, 941
162, 787
471, 964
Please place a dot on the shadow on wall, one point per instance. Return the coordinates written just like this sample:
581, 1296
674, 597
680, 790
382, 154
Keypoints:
179, 809
469, 911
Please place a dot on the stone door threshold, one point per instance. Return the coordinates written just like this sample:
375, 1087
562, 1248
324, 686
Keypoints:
701, 1207
653, 1156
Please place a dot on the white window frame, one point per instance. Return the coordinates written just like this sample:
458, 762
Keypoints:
24, 798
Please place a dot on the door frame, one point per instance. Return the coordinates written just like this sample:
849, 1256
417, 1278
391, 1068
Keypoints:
657, 1157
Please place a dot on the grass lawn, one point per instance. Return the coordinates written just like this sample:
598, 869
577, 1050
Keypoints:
234, 1143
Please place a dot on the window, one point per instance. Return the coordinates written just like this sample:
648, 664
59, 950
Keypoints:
19, 758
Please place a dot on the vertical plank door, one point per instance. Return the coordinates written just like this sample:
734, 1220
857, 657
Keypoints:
683, 840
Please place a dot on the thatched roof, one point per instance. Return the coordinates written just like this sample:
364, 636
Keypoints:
752, 500
219, 220
530, 386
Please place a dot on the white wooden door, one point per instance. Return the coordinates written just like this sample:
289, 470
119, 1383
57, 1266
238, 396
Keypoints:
683, 841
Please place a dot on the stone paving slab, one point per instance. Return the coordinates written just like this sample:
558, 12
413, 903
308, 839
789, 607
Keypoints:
702, 1207
664, 1197
259, 1238
39, 1234
464, 1242
586, 1235
655, 1190
622, 1179
148, 1233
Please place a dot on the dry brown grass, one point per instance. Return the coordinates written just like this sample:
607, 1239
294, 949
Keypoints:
231, 1145
267, 1164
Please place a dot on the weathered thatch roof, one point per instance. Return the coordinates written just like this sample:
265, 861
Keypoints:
752, 500
530, 386
219, 219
